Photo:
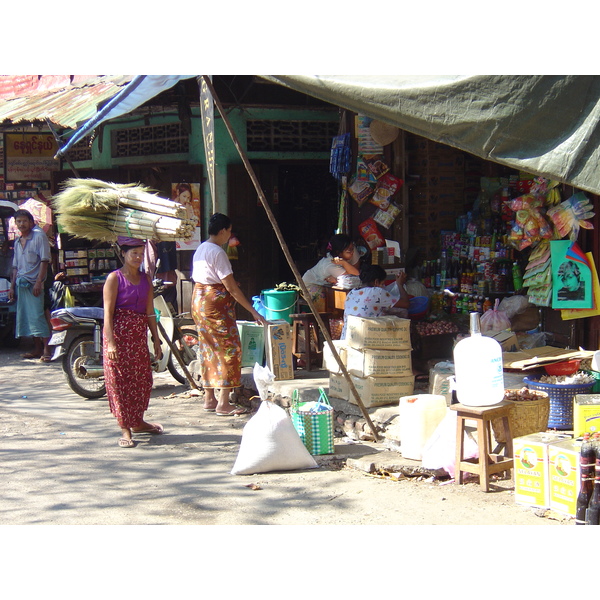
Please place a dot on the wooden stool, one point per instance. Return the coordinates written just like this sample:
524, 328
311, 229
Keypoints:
488, 463
305, 339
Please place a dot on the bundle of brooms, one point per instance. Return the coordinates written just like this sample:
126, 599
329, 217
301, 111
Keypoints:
98, 210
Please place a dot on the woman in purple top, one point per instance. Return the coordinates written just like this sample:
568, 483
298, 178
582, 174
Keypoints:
128, 312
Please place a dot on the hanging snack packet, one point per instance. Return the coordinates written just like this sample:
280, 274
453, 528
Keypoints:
385, 218
376, 165
387, 186
370, 233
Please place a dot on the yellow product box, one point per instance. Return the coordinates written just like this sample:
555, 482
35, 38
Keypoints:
338, 386
586, 414
378, 333
380, 391
278, 346
564, 475
329, 361
531, 468
378, 363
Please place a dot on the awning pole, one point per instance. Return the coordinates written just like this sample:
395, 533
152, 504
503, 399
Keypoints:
288, 256
65, 155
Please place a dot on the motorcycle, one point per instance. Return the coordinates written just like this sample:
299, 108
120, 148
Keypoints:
77, 338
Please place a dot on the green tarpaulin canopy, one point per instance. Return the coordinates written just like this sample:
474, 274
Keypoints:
542, 124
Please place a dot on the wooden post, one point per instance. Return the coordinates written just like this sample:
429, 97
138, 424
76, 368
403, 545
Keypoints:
288, 256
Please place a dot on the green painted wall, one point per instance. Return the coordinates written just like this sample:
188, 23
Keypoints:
225, 150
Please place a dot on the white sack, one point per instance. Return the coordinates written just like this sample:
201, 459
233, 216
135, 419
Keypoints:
271, 443
439, 451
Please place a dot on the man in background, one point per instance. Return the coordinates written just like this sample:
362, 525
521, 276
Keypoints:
30, 265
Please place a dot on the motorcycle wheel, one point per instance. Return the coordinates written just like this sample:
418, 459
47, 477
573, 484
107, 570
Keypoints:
189, 337
88, 387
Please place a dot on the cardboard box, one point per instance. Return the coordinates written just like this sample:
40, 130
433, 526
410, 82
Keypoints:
507, 340
378, 363
338, 386
586, 414
378, 333
380, 391
278, 345
564, 475
329, 362
532, 486
252, 338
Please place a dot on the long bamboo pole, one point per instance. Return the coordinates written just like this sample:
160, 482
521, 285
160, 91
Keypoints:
288, 256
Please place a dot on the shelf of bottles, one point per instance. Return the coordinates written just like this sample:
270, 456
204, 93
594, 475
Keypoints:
470, 273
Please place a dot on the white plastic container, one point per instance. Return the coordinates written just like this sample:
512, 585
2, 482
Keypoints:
4, 287
479, 372
420, 414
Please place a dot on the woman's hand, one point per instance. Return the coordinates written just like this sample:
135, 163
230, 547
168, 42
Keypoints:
258, 317
157, 349
401, 278
111, 351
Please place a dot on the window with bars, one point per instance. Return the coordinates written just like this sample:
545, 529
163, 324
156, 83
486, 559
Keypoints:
290, 136
149, 140
82, 150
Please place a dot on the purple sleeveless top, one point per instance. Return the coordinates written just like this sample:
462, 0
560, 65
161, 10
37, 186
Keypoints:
130, 296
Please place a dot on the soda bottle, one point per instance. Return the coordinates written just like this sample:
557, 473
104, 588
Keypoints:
487, 304
592, 514
587, 461
517, 277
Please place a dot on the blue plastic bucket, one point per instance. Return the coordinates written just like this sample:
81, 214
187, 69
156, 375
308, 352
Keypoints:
279, 304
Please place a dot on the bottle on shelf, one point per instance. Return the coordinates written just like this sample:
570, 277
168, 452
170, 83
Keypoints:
587, 462
592, 514
438, 274
487, 305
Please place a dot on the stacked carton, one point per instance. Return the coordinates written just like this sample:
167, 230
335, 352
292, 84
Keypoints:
377, 355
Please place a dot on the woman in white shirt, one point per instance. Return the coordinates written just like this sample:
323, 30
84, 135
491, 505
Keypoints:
213, 310
342, 259
372, 300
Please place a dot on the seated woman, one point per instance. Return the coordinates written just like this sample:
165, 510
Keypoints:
371, 300
342, 259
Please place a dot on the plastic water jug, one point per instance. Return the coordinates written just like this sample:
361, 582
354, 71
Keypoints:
479, 372
419, 416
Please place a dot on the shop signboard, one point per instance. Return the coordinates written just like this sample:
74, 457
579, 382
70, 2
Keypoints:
30, 156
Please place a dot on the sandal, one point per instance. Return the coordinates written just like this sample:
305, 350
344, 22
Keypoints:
156, 428
125, 443
45, 358
31, 355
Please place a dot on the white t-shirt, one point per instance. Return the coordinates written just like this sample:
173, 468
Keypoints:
210, 264
327, 268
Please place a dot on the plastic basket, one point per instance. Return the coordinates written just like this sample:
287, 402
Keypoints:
525, 417
561, 400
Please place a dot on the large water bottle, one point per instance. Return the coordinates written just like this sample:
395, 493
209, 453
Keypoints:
479, 372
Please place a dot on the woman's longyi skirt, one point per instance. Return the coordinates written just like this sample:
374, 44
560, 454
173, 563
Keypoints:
129, 377
213, 310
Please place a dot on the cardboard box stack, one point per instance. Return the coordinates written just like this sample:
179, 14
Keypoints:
377, 355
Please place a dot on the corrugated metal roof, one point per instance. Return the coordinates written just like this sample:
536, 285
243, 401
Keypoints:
64, 105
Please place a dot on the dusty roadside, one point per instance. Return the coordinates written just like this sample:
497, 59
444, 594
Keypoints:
61, 465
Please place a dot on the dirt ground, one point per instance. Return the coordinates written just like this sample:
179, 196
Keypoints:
62, 466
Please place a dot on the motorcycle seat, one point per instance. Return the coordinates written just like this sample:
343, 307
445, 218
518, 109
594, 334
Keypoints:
89, 312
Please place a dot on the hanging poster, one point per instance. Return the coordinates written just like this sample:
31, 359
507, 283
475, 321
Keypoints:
188, 194
30, 156
572, 285
582, 313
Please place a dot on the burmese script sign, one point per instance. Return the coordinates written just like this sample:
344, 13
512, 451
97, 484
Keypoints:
30, 156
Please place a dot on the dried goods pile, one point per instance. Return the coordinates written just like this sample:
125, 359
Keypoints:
576, 379
426, 328
98, 210
522, 394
